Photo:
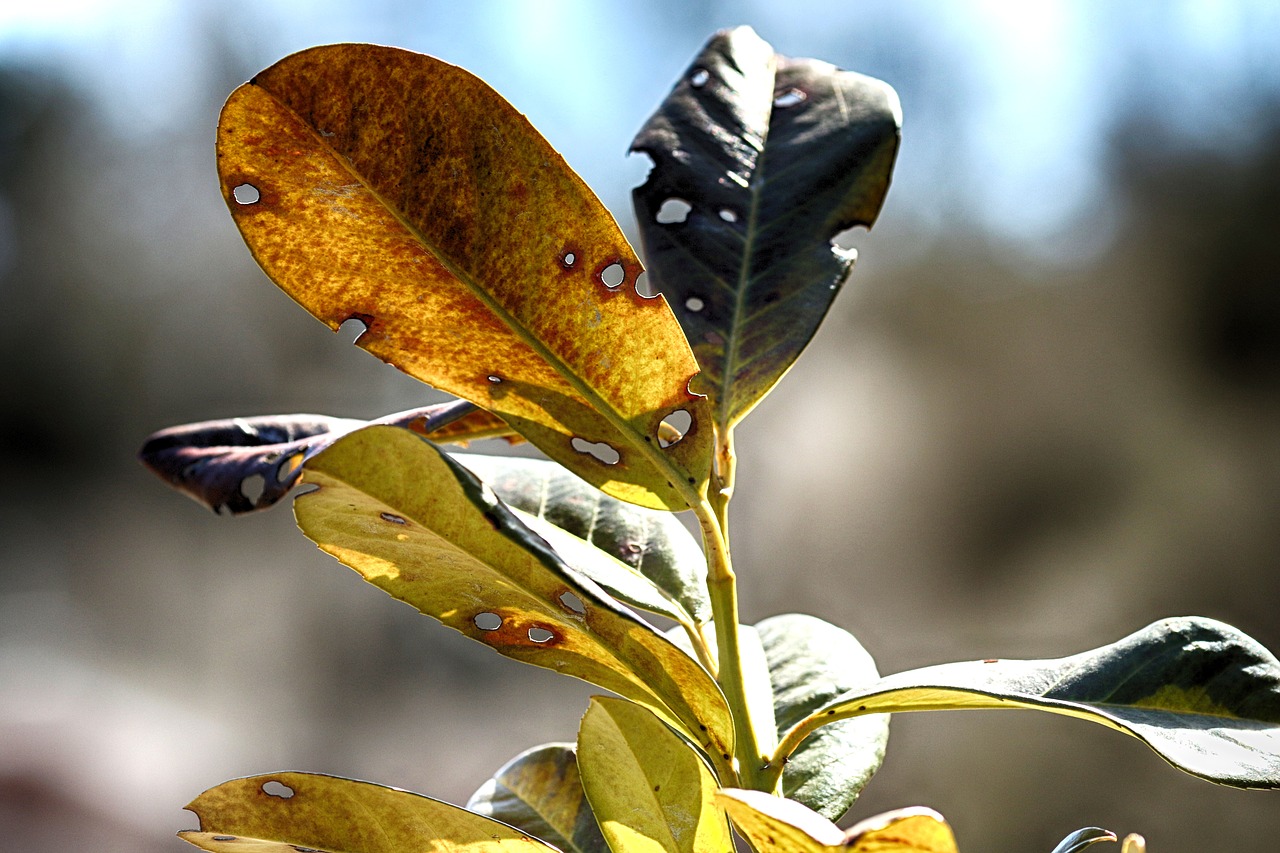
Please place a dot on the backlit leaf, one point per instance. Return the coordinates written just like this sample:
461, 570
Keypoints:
652, 542
1203, 695
650, 792
785, 826
811, 662
391, 188
412, 521
759, 161
310, 813
540, 792
246, 464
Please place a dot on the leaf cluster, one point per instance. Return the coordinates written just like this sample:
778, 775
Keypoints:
394, 189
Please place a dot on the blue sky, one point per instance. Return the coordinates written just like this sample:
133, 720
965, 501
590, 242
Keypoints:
1008, 105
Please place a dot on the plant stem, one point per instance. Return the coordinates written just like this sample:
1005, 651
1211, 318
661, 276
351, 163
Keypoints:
723, 591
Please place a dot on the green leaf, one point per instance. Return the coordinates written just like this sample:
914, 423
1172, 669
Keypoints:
768, 158
650, 792
652, 542
388, 187
539, 791
776, 824
307, 812
1203, 695
811, 662
415, 523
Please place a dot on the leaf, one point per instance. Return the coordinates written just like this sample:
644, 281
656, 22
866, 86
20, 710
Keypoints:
768, 159
392, 188
652, 542
1082, 838
539, 792
1203, 695
776, 824
650, 792
811, 662
247, 464
412, 521
310, 813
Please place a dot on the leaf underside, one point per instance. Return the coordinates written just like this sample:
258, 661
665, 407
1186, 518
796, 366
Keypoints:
385, 186
778, 825
311, 813
540, 792
1200, 693
811, 662
654, 543
759, 161
412, 521
649, 791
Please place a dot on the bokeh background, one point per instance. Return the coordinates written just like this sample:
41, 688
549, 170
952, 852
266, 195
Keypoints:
1044, 413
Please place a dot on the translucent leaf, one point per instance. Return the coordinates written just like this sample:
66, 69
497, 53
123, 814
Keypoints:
415, 523
310, 813
1203, 695
650, 792
388, 187
539, 791
759, 161
652, 542
811, 662
785, 826
246, 464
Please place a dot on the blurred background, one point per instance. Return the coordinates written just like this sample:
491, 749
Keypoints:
1045, 412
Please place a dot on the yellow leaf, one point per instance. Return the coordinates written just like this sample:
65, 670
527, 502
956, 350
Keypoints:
301, 812
775, 824
418, 525
650, 791
389, 187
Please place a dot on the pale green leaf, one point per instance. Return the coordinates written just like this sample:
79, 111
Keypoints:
650, 792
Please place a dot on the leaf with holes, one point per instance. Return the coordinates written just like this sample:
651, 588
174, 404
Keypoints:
652, 542
540, 792
392, 188
811, 662
246, 464
292, 812
1203, 695
650, 792
415, 523
759, 161
777, 824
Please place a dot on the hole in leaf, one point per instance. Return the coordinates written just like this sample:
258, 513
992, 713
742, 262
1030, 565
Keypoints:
353, 328
613, 275
540, 635
277, 789
287, 470
599, 450
674, 427
224, 838
728, 215
391, 517
572, 602
488, 621
568, 259
253, 486
246, 194
694, 304
699, 78
790, 98
494, 378
644, 288
673, 211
